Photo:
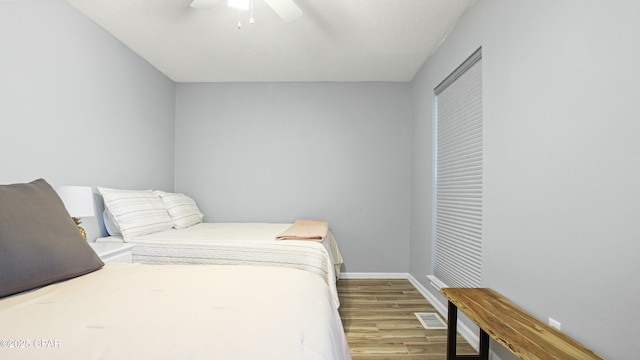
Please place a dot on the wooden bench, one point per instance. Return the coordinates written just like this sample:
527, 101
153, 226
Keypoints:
509, 325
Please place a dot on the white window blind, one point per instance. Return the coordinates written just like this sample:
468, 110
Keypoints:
458, 206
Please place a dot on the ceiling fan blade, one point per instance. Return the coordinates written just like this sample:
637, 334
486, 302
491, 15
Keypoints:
203, 4
286, 9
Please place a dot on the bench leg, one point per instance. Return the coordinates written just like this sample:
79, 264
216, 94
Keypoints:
452, 323
452, 330
484, 345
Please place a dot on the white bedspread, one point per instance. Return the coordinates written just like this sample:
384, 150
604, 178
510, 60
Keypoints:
137, 311
239, 243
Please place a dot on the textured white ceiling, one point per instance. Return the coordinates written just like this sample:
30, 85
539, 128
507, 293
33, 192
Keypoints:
335, 40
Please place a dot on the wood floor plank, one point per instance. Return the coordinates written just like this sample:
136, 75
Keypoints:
380, 324
397, 357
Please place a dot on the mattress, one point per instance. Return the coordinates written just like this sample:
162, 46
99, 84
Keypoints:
239, 243
139, 311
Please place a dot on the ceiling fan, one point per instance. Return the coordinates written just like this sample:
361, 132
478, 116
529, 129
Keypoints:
286, 9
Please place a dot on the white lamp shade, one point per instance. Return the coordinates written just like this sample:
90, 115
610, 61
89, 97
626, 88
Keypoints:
77, 199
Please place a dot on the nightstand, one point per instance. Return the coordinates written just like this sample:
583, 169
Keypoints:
113, 252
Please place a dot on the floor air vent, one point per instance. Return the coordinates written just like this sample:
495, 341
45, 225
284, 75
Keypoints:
431, 321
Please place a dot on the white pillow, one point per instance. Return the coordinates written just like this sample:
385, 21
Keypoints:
183, 210
111, 227
136, 213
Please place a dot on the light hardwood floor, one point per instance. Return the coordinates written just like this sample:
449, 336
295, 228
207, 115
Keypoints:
379, 321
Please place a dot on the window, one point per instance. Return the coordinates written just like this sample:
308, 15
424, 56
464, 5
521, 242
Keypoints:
458, 184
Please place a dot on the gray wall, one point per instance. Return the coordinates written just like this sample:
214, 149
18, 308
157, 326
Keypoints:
78, 107
277, 152
561, 171
561, 201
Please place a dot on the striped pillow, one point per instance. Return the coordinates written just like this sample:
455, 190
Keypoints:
136, 213
182, 209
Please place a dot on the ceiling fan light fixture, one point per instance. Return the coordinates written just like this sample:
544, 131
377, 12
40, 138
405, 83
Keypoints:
239, 4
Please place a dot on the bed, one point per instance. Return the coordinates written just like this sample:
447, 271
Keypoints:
59, 301
184, 239
238, 244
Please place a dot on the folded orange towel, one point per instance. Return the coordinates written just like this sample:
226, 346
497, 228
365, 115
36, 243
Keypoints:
305, 230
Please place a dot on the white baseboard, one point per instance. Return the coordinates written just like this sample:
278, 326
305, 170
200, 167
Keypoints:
471, 337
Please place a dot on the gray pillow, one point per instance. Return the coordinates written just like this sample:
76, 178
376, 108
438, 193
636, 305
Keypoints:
39, 242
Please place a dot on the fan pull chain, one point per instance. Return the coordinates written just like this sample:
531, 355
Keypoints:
251, 21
